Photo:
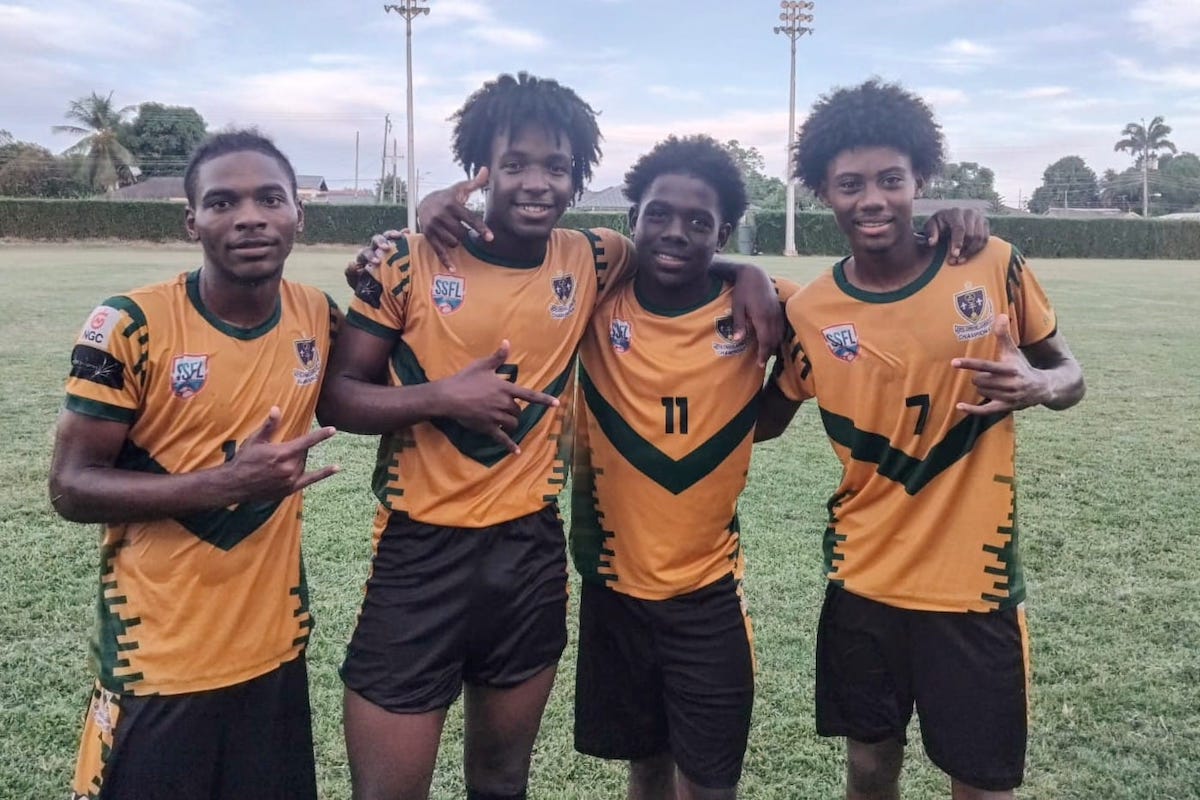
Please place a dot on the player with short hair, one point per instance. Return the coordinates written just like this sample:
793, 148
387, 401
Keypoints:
665, 674
917, 371
185, 431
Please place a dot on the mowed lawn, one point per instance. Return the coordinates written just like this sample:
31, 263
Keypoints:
1110, 523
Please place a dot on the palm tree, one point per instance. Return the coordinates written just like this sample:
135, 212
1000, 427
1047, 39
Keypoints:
106, 162
1144, 142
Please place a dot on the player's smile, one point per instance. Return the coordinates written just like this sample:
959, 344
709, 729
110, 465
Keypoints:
871, 192
677, 229
530, 188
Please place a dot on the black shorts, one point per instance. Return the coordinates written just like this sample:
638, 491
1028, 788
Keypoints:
966, 673
666, 676
444, 606
253, 739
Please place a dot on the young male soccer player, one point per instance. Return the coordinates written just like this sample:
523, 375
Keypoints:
186, 429
669, 400
916, 370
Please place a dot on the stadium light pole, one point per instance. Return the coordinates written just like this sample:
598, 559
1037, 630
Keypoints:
793, 18
409, 9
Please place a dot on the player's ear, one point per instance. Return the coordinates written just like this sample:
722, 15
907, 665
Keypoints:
189, 223
920, 181
633, 217
299, 217
723, 235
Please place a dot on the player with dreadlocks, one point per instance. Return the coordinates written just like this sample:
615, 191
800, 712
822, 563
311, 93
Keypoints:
917, 370
468, 579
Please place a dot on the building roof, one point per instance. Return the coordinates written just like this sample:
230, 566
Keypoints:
611, 198
311, 183
157, 188
1091, 213
928, 205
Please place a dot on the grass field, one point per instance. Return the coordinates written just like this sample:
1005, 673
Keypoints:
1110, 513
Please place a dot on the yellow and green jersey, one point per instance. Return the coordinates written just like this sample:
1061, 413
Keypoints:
665, 424
439, 472
215, 598
925, 515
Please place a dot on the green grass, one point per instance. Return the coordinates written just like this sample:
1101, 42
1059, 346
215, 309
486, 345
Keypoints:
1110, 516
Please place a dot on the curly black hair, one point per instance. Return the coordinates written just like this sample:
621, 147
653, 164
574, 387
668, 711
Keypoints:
700, 156
873, 114
235, 141
508, 103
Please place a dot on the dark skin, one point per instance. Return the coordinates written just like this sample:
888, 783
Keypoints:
677, 229
246, 219
870, 191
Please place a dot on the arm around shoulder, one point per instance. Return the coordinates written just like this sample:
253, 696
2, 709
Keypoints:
1064, 384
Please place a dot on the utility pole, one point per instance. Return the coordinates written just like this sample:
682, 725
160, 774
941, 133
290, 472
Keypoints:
793, 18
387, 129
409, 9
1145, 171
356, 162
395, 159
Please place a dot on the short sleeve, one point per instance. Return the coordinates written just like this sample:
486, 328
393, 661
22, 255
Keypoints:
381, 301
792, 373
1034, 317
108, 362
613, 254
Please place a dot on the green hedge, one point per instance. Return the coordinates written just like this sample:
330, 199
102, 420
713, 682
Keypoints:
816, 233
1045, 237
56, 220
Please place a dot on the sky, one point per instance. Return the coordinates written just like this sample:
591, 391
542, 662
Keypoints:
1016, 84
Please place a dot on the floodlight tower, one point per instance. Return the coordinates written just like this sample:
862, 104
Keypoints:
409, 9
792, 15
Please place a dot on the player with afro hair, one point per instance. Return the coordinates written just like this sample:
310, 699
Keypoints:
700, 156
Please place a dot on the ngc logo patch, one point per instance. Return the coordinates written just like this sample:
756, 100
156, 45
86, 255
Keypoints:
189, 373
98, 330
449, 292
842, 340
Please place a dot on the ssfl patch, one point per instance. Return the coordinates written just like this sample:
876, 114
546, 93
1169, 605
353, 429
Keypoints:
449, 292
842, 340
189, 373
620, 335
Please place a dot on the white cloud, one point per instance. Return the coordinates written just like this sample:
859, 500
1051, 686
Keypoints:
674, 93
1169, 23
477, 23
120, 31
1171, 77
1041, 93
941, 97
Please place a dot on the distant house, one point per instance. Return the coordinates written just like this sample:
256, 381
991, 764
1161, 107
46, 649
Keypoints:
348, 197
311, 187
1090, 213
157, 188
925, 206
611, 199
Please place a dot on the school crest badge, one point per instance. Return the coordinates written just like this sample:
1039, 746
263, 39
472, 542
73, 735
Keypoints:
449, 292
725, 345
973, 305
563, 304
309, 370
189, 373
842, 340
620, 335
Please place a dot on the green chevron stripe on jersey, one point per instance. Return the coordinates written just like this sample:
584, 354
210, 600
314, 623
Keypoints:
673, 475
223, 527
914, 473
477, 446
